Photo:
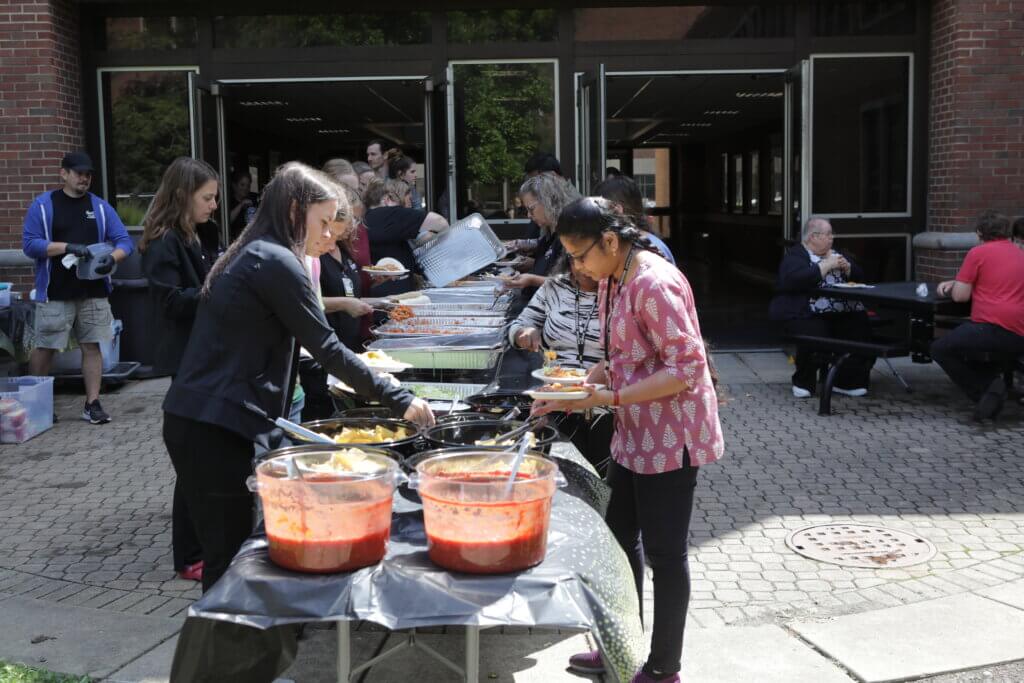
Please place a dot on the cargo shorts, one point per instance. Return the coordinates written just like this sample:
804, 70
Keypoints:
90, 319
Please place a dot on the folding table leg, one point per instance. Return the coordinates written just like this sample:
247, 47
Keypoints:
472, 654
344, 651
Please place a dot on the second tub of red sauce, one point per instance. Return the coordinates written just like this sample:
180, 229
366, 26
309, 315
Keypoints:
486, 537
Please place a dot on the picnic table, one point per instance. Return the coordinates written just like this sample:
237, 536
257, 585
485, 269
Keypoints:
902, 296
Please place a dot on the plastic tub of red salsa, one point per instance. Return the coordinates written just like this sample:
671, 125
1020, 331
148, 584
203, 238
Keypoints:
329, 513
478, 524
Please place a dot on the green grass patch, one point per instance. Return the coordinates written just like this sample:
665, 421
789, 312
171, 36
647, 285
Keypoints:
16, 673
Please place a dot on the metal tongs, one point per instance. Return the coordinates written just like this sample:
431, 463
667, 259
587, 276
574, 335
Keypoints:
528, 426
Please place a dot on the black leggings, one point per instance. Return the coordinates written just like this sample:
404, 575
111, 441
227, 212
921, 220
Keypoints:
651, 512
212, 465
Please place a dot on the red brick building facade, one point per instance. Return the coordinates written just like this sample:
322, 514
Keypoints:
40, 109
976, 125
975, 102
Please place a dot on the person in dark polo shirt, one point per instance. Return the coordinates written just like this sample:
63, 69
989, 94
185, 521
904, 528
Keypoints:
61, 222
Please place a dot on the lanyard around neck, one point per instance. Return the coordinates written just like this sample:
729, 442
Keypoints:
608, 303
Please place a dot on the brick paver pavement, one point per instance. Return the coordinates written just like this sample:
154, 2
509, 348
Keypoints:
86, 509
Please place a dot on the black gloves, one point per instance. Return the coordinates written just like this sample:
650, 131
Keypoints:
79, 250
104, 264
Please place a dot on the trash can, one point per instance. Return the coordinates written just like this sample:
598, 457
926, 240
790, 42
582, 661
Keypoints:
129, 302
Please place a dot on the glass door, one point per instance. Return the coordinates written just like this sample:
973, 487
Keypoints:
591, 130
499, 114
206, 121
796, 149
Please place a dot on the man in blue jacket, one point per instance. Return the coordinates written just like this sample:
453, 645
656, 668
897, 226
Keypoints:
62, 222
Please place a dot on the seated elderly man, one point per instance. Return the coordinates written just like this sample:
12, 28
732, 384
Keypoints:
992, 279
805, 266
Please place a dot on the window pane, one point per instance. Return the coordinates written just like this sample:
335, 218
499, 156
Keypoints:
860, 142
147, 127
756, 20
651, 171
503, 114
503, 25
863, 18
151, 33
322, 30
737, 166
755, 182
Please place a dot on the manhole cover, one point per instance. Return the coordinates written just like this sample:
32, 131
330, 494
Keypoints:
860, 545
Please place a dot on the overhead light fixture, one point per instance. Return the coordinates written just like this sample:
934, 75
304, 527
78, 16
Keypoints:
721, 112
695, 124
263, 103
672, 135
332, 131
761, 94
303, 119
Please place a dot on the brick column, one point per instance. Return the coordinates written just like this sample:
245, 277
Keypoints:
976, 126
40, 112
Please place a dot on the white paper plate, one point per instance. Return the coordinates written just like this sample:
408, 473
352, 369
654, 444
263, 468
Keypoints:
539, 374
374, 270
559, 395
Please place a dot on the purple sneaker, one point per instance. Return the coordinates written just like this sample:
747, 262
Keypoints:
644, 677
587, 662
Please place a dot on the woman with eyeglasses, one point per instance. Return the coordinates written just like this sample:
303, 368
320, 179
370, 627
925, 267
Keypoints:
544, 196
340, 280
658, 381
562, 317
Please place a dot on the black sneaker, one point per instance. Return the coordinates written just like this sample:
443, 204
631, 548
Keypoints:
94, 413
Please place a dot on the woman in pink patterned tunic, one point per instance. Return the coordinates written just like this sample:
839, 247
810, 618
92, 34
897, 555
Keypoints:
666, 424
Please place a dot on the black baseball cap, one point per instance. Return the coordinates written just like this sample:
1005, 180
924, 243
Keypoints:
77, 161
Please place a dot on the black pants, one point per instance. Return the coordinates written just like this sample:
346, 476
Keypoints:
319, 405
185, 546
974, 377
651, 513
856, 371
212, 465
593, 437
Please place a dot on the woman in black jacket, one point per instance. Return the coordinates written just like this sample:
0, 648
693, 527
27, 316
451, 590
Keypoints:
235, 377
172, 258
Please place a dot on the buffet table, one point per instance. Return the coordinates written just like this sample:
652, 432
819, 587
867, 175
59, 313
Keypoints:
584, 583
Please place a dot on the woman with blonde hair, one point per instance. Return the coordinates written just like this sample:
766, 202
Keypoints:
172, 259
342, 171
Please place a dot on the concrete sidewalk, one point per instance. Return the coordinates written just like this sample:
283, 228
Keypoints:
86, 585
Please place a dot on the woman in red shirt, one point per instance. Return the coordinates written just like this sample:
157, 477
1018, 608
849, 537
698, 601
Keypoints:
666, 412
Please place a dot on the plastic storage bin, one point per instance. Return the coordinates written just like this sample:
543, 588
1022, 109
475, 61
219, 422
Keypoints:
26, 407
70, 362
5, 294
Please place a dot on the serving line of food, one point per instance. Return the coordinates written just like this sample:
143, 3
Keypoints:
387, 511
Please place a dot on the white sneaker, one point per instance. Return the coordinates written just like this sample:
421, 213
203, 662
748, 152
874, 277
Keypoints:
800, 392
850, 392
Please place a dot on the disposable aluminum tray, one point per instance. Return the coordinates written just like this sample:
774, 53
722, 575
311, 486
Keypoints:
448, 310
464, 352
464, 248
458, 322
443, 390
388, 331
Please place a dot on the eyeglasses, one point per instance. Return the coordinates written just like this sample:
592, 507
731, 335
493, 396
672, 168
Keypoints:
583, 255
530, 208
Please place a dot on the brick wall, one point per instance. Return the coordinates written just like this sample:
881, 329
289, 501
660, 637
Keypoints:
976, 120
40, 109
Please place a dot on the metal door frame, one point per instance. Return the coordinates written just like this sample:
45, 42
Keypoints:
809, 119
450, 107
188, 69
